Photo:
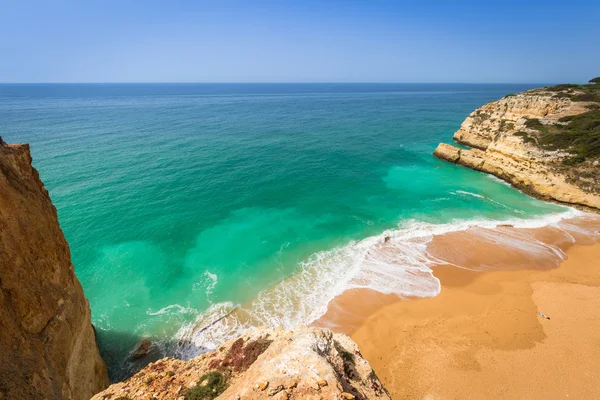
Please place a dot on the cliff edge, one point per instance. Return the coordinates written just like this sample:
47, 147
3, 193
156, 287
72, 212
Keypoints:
47, 343
304, 363
544, 141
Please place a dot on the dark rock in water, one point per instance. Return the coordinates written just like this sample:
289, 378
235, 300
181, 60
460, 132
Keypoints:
142, 349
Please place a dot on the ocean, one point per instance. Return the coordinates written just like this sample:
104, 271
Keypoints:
194, 211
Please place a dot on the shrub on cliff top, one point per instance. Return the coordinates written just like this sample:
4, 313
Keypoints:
586, 97
210, 386
534, 123
573, 160
580, 135
562, 86
589, 92
595, 80
481, 116
526, 137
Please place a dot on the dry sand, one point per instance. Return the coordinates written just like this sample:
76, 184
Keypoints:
483, 336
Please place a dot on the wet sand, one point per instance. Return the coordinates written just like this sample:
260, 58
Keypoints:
483, 336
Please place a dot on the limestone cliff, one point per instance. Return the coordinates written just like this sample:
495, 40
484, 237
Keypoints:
47, 344
543, 141
305, 363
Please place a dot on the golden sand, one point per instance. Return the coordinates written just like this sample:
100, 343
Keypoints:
483, 336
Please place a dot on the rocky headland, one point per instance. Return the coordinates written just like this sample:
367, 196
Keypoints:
545, 142
304, 363
47, 342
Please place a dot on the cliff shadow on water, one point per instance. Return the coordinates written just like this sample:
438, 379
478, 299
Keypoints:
126, 353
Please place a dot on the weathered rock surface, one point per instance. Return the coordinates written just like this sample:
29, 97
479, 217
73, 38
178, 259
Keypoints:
493, 133
304, 363
142, 349
47, 344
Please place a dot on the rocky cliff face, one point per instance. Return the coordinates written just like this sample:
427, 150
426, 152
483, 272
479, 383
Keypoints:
305, 363
47, 344
518, 139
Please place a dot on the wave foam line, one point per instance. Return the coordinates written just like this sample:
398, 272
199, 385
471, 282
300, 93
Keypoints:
394, 262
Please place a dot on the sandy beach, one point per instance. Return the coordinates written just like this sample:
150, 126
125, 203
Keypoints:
484, 335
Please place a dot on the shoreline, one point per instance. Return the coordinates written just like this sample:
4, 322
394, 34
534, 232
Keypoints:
380, 272
485, 325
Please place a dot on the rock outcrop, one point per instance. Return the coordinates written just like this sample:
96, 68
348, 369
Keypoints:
47, 343
304, 363
511, 139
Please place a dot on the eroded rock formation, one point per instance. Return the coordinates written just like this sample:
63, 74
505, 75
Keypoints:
47, 344
304, 363
517, 139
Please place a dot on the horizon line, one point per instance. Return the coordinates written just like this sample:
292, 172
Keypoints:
273, 83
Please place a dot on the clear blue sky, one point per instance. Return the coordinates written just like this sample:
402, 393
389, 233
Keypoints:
302, 41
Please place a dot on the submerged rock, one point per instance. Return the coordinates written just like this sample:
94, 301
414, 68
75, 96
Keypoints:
142, 349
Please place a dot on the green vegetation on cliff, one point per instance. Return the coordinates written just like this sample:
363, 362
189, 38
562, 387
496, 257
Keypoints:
576, 134
211, 385
589, 92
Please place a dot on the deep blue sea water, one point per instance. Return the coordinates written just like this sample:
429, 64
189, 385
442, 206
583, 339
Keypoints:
182, 202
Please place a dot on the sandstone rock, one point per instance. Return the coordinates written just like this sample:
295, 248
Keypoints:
298, 364
142, 349
495, 149
275, 390
47, 343
447, 152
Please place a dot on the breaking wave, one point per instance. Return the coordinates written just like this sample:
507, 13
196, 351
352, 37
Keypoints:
394, 262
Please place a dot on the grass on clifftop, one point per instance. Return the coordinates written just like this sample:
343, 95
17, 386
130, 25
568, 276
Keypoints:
576, 134
589, 92
579, 135
209, 386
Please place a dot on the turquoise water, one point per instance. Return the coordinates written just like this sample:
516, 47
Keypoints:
176, 198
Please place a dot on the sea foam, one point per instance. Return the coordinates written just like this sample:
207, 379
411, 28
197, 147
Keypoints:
394, 262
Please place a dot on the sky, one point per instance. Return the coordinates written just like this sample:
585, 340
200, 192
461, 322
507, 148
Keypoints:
299, 41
